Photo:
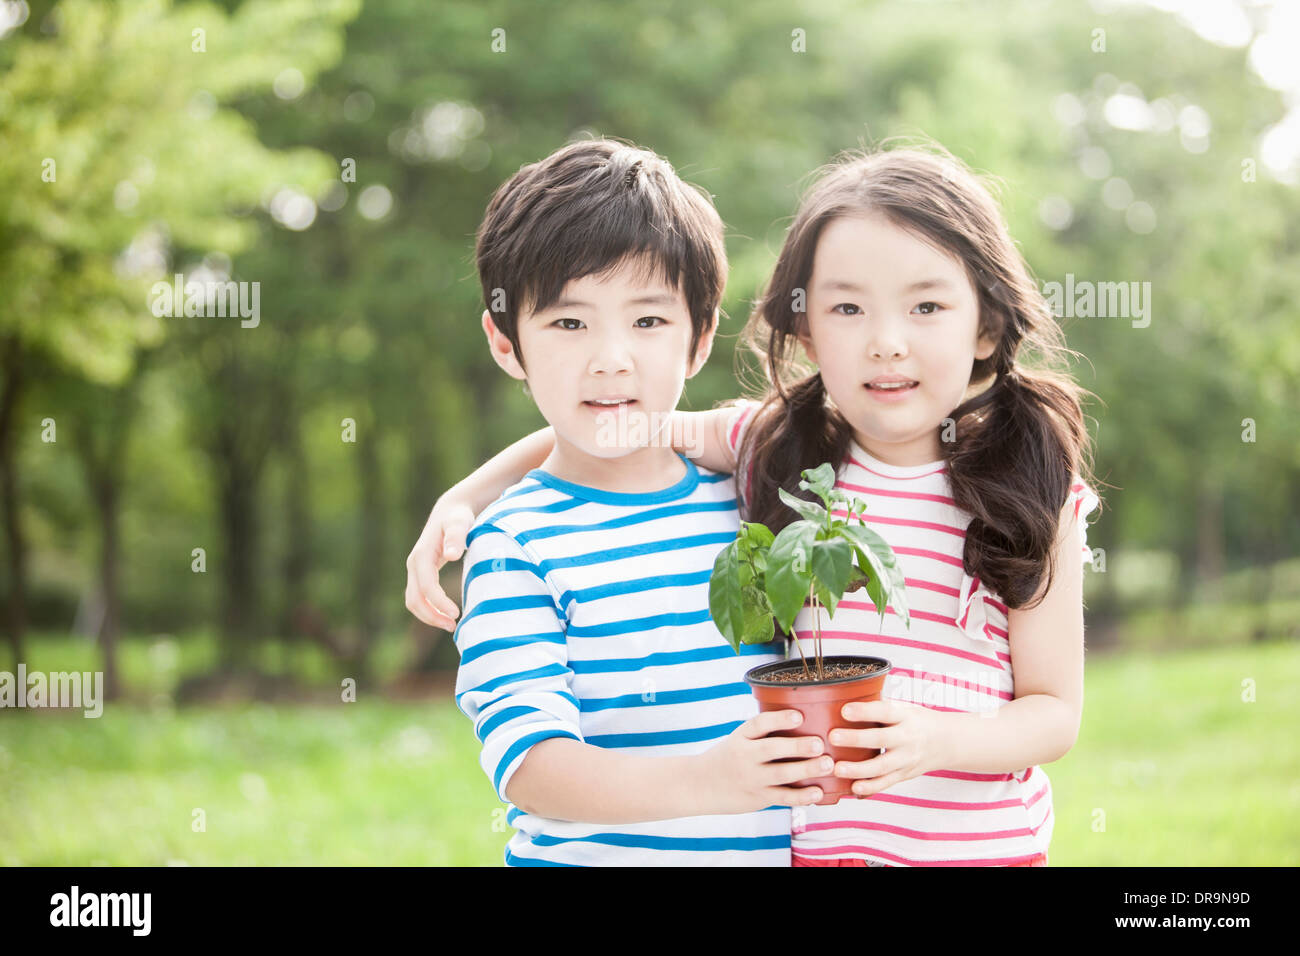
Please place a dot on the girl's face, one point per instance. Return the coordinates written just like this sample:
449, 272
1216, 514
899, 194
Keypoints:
884, 304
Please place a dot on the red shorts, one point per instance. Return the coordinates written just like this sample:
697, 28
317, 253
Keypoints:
1040, 860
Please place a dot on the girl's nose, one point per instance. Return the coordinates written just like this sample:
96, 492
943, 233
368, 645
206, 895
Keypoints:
886, 341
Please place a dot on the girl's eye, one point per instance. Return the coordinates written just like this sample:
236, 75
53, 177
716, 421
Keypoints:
843, 306
933, 308
652, 319
561, 323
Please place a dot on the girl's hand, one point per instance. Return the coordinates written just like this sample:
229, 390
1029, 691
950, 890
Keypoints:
441, 541
914, 741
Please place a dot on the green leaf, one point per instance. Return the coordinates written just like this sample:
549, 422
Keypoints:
789, 571
857, 577
868, 540
759, 627
808, 510
832, 563
890, 587
875, 587
726, 597
757, 534
820, 480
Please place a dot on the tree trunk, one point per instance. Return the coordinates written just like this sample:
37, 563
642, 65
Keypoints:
1209, 534
238, 574
11, 354
297, 511
372, 551
107, 495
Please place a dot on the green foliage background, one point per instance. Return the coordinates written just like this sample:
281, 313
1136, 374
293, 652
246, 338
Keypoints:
174, 434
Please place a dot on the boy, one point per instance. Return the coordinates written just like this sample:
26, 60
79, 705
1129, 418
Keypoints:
613, 715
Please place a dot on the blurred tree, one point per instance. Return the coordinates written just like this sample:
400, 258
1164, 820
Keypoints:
105, 168
1121, 161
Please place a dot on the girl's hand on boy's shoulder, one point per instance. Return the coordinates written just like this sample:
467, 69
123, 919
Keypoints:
913, 740
441, 541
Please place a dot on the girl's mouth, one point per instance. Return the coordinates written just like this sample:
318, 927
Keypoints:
891, 391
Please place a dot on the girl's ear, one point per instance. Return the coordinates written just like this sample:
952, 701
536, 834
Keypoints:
703, 347
984, 347
503, 353
805, 339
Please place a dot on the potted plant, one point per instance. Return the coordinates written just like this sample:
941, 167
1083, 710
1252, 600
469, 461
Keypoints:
761, 581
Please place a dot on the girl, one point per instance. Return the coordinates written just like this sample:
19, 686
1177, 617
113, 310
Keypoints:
899, 281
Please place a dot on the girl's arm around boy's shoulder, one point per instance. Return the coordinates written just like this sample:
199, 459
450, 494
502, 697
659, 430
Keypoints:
709, 438
444, 533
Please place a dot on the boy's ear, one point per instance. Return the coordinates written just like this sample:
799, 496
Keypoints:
503, 353
703, 347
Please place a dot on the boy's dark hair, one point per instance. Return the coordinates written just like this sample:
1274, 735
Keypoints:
586, 209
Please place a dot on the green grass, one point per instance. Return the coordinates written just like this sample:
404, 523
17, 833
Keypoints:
1173, 767
362, 783
1184, 771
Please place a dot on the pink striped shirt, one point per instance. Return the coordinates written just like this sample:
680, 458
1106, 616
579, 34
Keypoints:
955, 657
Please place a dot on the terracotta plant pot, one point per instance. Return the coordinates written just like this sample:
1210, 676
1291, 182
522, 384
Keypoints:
820, 702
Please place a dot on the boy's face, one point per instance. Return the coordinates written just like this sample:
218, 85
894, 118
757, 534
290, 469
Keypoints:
607, 361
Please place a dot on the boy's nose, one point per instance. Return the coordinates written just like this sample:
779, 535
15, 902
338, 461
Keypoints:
611, 358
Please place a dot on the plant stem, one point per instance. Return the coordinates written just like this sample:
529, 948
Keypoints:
817, 630
795, 637
817, 623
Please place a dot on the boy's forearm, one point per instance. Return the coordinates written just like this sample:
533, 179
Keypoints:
565, 779
1031, 730
486, 483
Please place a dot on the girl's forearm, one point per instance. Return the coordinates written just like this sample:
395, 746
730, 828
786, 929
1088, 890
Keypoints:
1031, 730
702, 437
565, 779
486, 483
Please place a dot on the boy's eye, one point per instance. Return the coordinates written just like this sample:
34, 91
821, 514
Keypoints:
933, 307
570, 324
847, 308
650, 321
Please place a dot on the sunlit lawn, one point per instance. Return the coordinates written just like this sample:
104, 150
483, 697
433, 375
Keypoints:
1172, 767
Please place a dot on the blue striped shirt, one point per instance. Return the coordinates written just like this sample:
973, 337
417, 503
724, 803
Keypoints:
586, 615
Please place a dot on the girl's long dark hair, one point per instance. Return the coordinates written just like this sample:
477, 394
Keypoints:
1019, 442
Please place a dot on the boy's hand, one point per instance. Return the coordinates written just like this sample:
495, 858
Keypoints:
737, 775
442, 540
